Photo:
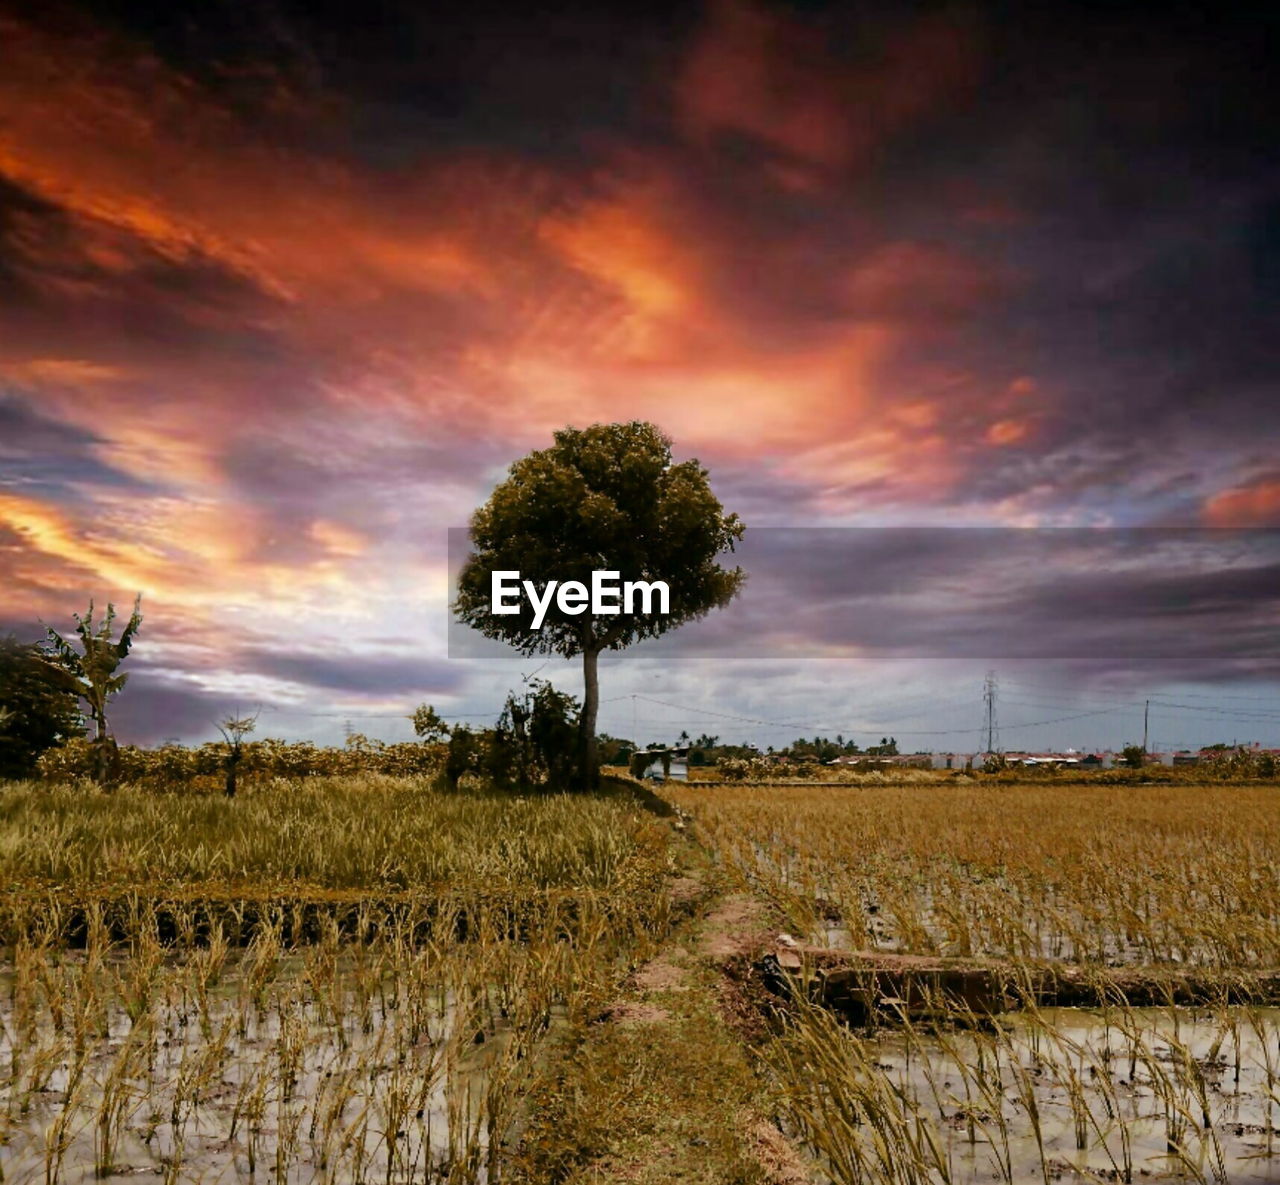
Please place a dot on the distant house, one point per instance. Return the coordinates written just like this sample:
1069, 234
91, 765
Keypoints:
1057, 760
864, 761
677, 771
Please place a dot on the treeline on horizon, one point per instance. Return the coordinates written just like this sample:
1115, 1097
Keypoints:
534, 743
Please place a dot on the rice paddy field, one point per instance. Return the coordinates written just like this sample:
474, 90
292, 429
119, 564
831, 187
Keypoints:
1174, 889
329, 980
366, 978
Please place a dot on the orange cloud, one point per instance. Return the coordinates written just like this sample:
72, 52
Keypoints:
1004, 432
218, 287
338, 540
104, 129
47, 531
917, 281
1256, 504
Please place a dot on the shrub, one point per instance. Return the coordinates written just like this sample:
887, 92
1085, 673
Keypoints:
179, 767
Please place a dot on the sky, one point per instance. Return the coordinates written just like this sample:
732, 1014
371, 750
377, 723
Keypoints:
285, 288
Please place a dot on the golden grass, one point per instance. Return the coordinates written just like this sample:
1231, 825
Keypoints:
1102, 876
1177, 874
330, 980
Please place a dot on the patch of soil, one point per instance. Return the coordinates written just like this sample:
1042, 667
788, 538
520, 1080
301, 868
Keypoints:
685, 891
738, 926
633, 1012
660, 975
858, 983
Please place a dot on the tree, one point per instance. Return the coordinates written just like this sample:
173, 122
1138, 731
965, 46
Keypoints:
614, 750
465, 754
1134, 756
234, 729
429, 724
603, 498
92, 674
37, 710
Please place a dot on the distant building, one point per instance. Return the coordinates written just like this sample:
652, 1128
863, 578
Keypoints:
678, 771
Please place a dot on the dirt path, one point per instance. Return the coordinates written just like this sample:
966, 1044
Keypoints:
661, 1087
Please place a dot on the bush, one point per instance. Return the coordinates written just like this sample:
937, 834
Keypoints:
179, 767
1134, 756
535, 743
37, 712
746, 769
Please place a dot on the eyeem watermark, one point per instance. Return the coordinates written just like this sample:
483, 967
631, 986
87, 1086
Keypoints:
607, 594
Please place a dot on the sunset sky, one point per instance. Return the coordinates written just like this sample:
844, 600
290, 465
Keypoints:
284, 291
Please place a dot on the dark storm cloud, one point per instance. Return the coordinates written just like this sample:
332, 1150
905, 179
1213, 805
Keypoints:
154, 709
39, 451
357, 674
1110, 594
410, 79
1192, 597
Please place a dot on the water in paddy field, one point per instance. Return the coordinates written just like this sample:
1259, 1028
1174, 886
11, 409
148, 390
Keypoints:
295, 1081
1063, 1094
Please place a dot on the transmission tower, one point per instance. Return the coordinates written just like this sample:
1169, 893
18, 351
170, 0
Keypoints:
989, 688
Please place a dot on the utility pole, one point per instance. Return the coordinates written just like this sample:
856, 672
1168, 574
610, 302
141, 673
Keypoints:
989, 699
1146, 716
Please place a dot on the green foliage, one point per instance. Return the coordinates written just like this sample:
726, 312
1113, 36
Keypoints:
91, 672
429, 724
234, 729
1229, 764
534, 743
603, 498
1134, 756
466, 754
614, 750
37, 710
203, 768
746, 769
995, 763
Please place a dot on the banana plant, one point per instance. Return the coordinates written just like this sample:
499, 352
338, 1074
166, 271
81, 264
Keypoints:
91, 671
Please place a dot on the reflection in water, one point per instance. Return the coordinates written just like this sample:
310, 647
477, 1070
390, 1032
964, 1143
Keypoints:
1116, 1094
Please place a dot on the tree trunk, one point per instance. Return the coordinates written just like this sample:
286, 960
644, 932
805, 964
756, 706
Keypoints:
231, 776
590, 771
101, 756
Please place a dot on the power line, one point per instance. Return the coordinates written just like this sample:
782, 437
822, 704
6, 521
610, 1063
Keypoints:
863, 727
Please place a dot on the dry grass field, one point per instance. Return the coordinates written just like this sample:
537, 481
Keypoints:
368, 979
333, 980
1172, 879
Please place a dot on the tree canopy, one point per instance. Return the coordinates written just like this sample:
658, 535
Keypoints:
604, 498
37, 709
91, 672
607, 497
